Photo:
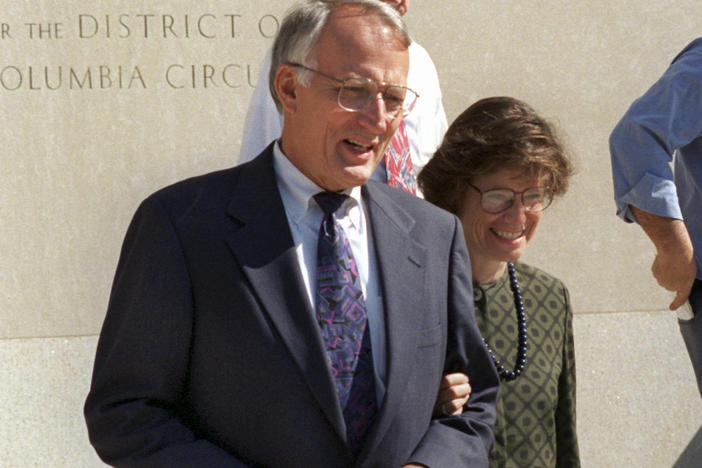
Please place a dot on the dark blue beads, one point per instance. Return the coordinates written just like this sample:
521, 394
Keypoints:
521, 321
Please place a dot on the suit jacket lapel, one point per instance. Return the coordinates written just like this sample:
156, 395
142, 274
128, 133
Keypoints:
401, 263
264, 248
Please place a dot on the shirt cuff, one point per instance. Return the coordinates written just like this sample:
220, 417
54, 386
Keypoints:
652, 194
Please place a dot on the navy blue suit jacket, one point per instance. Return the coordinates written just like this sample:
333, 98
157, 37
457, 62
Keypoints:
210, 354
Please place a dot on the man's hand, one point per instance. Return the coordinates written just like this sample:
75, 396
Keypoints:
674, 266
675, 273
454, 392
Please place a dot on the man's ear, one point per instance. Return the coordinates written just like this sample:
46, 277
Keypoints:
285, 85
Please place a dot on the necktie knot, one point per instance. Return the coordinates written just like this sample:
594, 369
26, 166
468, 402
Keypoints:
329, 202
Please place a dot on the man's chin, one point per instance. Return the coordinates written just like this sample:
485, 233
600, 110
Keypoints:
355, 176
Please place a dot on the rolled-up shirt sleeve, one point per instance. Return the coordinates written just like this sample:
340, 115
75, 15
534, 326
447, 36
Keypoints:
665, 119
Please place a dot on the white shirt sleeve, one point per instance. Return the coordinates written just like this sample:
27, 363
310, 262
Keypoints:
263, 122
426, 124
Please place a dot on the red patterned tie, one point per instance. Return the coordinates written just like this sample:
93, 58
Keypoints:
342, 318
398, 161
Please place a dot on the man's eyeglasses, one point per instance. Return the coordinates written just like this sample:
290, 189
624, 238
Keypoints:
498, 200
356, 93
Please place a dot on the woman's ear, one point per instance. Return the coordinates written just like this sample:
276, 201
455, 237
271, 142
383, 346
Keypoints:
285, 85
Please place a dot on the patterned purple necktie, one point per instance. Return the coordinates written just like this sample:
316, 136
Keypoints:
398, 162
341, 314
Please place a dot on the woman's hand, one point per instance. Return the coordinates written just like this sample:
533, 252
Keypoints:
454, 392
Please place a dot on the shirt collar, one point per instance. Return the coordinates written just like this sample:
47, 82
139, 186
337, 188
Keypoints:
297, 190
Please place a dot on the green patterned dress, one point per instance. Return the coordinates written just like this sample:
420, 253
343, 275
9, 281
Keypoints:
535, 425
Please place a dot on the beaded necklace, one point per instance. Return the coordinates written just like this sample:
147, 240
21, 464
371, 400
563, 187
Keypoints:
521, 321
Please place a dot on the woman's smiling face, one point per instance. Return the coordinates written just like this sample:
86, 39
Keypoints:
503, 236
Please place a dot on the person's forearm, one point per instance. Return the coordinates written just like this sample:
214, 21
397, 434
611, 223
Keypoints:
674, 267
669, 235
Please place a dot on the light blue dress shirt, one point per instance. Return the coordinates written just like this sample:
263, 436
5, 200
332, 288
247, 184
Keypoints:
664, 126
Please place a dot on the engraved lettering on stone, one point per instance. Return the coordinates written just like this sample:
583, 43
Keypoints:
165, 26
5, 31
13, 78
45, 30
268, 26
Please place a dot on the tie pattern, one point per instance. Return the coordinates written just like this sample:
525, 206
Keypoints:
342, 318
398, 162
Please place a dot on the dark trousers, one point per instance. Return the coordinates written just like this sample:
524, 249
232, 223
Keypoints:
692, 331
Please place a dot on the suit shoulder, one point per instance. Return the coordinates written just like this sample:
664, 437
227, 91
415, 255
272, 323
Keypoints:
212, 181
694, 48
198, 195
426, 221
416, 206
221, 184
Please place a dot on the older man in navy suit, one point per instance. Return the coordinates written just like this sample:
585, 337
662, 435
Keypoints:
287, 312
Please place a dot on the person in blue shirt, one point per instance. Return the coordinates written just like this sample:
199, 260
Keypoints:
663, 126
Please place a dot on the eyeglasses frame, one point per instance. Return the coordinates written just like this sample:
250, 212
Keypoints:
514, 195
379, 84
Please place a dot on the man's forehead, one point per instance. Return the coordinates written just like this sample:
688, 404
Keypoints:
351, 41
344, 66
352, 20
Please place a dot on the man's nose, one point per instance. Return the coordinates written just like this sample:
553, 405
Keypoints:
375, 115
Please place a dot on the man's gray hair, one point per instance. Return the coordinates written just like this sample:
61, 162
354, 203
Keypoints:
302, 26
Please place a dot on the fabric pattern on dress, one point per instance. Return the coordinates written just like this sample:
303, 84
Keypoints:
536, 423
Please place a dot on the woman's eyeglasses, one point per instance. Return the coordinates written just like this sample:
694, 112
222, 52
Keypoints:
498, 200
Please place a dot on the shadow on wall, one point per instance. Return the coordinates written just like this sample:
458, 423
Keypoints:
692, 455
